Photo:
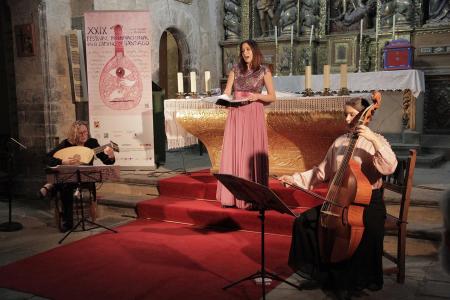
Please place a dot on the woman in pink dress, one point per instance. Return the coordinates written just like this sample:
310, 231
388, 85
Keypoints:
245, 146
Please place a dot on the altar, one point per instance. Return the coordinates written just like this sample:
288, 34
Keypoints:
300, 129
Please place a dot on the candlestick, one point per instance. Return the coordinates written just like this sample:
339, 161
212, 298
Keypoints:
292, 48
393, 27
311, 35
377, 27
360, 44
207, 81
276, 36
308, 77
343, 76
326, 76
180, 82
193, 83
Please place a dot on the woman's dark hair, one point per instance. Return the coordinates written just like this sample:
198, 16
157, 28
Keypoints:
358, 103
257, 56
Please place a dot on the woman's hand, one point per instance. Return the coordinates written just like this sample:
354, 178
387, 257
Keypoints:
252, 97
74, 160
365, 131
287, 180
109, 151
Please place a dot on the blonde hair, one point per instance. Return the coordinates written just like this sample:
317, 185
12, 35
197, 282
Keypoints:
73, 135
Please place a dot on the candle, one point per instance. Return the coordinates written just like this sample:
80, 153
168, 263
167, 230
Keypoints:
344, 6
308, 77
193, 83
326, 76
276, 36
393, 27
180, 82
361, 30
343, 76
311, 35
207, 81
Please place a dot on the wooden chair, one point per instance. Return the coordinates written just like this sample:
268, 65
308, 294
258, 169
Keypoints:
400, 182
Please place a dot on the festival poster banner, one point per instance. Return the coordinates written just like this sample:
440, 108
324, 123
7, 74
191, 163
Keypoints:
118, 55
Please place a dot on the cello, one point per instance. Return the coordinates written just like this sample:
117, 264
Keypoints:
341, 224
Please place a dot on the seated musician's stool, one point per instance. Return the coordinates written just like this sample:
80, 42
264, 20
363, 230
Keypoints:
89, 205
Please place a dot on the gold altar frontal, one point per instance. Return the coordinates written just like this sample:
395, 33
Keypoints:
300, 130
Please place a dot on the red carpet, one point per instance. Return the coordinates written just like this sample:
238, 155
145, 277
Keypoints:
150, 260
191, 199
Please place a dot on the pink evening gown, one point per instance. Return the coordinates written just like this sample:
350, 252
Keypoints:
245, 142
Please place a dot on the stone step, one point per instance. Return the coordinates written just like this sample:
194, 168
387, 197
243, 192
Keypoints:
403, 148
423, 160
127, 189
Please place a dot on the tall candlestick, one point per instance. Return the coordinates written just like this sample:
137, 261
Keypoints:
292, 48
276, 36
311, 35
360, 44
326, 76
193, 83
343, 76
308, 77
377, 28
207, 81
393, 27
180, 82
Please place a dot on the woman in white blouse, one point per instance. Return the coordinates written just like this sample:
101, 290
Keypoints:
364, 268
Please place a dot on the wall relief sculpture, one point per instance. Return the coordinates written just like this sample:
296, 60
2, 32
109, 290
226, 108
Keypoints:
309, 15
438, 11
288, 15
402, 9
266, 16
345, 15
232, 19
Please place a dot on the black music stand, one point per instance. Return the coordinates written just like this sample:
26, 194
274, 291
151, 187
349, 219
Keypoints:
7, 179
92, 176
263, 198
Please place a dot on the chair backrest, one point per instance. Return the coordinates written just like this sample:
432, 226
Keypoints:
401, 182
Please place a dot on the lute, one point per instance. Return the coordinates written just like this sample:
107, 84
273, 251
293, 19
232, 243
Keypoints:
85, 154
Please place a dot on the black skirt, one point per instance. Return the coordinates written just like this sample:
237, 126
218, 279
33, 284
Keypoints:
364, 269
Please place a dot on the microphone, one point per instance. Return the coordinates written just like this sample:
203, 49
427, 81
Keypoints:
18, 143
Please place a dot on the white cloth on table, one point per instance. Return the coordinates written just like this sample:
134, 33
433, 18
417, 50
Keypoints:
364, 81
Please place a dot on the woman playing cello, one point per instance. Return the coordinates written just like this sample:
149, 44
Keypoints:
364, 268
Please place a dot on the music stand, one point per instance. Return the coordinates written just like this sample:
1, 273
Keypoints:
7, 179
263, 198
90, 176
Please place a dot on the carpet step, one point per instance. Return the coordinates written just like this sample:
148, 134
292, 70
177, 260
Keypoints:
210, 214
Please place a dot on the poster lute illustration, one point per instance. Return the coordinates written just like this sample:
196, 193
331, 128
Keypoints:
120, 84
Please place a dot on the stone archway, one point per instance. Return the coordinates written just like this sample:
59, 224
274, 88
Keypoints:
174, 56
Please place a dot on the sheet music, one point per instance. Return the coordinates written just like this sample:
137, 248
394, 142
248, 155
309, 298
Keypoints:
67, 174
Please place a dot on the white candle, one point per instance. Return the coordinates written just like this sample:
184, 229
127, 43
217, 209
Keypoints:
311, 35
307, 77
343, 76
326, 76
361, 30
207, 81
193, 83
276, 36
180, 82
393, 27
344, 6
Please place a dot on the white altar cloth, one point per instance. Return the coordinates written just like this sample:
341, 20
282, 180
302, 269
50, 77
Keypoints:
364, 81
178, 137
